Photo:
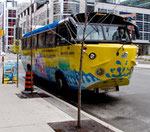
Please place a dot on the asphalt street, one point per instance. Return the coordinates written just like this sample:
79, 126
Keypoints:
128, 109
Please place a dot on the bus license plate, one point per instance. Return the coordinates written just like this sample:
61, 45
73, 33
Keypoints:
110, 89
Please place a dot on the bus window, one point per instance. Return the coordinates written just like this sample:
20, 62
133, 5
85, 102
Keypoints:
93, 32
64, 35
41, 40
22, 43
111, 33
115, 33
28, 42
25, 43
50, 39
131, 30
35, 41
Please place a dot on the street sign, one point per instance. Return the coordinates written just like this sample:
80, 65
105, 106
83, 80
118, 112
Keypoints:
17, 46
1, 32
10, 72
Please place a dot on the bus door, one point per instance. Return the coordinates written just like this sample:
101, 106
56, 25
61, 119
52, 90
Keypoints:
66, 60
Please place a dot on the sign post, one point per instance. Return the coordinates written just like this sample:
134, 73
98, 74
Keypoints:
17, 46
16, 50
1, 34
9, 72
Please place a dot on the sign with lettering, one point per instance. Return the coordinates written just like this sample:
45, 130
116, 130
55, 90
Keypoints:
10, 72
17, 46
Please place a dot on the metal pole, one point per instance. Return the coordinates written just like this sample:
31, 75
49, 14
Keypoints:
17, 53
3, 60
80, 70
31, 53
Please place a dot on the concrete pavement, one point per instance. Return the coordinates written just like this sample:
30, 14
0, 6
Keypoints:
33, 114
143, 65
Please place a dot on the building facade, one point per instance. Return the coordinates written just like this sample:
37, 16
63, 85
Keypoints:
137, 3
53, 10
46, 12
141, 17
8, 22
1, 28
64, 8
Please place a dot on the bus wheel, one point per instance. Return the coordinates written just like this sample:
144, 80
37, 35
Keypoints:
61, 83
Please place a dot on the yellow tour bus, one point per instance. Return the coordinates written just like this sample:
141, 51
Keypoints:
108, 59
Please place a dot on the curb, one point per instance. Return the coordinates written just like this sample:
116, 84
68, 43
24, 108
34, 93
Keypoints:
83, 112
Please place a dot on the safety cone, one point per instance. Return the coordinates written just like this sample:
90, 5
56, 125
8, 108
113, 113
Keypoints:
28, 89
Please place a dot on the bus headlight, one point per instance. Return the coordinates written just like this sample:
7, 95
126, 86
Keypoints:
100, 72
92, 56
131, 70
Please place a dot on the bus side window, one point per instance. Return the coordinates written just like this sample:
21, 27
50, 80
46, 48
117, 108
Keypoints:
64, 36
41, 40
28, 42
22, 43
50, 39
35, 41
25, 43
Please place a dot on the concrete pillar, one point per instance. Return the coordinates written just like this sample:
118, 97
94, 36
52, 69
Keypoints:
82, 6
51, 8
148, 49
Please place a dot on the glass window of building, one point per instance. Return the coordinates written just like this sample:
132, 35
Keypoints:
10, 40
11, 22
90, 8
146, 17
136, 3
141, 36
140, 25
139, 17
10, 32
147, 27
106, 1
71, 8
12, 13
146, 36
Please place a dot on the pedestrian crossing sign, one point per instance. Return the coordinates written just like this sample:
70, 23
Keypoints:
17, 46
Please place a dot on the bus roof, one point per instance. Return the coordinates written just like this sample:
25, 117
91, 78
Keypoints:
103, 18
49, 26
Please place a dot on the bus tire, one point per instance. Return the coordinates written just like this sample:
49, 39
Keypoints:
60, 82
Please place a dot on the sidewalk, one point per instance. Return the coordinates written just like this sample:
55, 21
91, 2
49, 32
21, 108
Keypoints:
143, 59
34, 114
142, 65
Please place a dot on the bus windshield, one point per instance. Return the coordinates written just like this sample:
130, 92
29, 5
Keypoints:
101, 32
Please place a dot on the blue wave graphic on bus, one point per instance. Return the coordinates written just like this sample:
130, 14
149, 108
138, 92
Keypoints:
72, 77
51, 73
121, 71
